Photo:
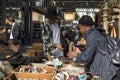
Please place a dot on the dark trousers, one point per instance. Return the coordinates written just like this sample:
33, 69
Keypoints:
117, 77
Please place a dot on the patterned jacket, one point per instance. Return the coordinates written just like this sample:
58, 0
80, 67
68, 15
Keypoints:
51, 37
47, 39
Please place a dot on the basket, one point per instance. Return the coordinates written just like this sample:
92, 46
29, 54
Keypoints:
35, 76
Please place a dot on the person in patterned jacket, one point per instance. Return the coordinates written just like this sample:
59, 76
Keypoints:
51, 34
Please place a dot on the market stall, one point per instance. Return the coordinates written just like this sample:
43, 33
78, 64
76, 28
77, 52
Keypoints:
52, 70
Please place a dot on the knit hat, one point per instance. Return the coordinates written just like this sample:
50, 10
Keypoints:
86, 21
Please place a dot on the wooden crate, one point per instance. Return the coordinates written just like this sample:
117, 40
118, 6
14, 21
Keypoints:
11, 77
37, 46
33, 52
35, 76
30, 52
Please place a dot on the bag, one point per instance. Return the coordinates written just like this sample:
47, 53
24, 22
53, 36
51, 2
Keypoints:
5, 68
113, 45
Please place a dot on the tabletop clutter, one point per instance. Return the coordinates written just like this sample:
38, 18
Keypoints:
50, 70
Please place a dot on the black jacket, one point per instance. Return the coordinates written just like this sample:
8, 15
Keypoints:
17, 59
15, 31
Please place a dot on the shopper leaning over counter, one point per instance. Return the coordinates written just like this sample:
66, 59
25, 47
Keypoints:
100, 65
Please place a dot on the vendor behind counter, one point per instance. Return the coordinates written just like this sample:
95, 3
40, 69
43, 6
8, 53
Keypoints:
12, 55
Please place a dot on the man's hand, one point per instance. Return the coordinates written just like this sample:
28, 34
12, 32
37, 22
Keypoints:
59, 47
8, 30
72, 54
75, 51
64, 33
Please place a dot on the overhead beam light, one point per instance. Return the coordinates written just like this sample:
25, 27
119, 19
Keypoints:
77, 1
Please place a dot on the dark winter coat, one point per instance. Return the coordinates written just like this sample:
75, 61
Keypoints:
16, 31
17, 59
100, 64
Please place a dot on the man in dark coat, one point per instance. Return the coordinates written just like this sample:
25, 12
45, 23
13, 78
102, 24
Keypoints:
15, 58
100, 65
15, 30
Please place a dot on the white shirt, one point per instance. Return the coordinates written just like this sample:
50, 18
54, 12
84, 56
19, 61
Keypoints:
11, 36
56, 38
56, 33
